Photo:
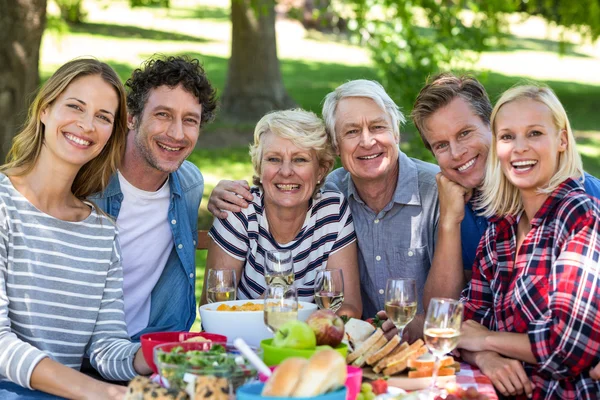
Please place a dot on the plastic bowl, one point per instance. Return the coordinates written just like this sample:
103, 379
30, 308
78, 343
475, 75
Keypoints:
252, 391
150, 340
249, 325
237, 370
275, 355
353, 381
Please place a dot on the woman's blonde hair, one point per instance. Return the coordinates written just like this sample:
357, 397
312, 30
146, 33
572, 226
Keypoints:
499, 196
27, 144
303, 128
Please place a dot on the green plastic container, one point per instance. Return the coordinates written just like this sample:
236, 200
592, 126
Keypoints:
275, 355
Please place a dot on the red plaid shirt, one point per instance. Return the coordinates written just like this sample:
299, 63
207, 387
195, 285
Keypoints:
551, 290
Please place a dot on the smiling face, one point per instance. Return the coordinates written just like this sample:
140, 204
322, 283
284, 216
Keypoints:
528, 144
460, 142
168, 129
367, 145
79, 122
289, 173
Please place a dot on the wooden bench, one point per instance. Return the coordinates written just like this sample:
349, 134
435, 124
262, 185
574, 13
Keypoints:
203, 240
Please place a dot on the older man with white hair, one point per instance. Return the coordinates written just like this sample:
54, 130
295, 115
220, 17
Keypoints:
393, 198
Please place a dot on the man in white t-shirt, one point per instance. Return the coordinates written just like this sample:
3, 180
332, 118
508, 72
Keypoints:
156, 193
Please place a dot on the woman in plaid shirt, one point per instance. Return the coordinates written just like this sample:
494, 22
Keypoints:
535, 290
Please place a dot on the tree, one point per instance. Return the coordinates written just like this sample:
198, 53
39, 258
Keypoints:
254, 84
22, 22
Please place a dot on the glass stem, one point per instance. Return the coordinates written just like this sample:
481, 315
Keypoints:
400, 332
436, 367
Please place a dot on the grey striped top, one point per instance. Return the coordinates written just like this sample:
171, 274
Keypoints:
61, 292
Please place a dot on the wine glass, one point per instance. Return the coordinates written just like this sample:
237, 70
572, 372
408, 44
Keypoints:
401, 302
329, 289
221, 285
442, 330
279, 268
281, 306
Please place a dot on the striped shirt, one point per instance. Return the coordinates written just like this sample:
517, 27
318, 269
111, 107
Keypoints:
549, 290
328, 227
60, 292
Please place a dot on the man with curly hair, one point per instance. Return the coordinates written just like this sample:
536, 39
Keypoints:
155, 195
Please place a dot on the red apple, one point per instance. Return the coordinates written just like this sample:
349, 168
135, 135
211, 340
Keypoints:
328, 327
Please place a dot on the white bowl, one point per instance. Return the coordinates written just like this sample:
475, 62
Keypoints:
249, 325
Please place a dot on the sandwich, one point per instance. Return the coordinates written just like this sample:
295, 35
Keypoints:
297, 377
356, 331
422, 367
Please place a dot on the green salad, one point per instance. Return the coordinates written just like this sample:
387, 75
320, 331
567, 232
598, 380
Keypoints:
216, 361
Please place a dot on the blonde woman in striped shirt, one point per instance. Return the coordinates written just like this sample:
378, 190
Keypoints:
60, 271
291, 156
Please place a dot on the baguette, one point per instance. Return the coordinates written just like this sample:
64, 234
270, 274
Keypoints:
365, 346
385, 350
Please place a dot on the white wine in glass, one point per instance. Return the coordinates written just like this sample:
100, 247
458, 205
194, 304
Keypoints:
442, 331
401, 302
221, 285
329, 289
279, 268
281, 306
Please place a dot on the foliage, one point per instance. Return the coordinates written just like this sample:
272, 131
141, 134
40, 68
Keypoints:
582, 16
71, 11
413, 39
150, 3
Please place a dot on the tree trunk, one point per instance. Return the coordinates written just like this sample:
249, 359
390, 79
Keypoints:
22, 22
254, 85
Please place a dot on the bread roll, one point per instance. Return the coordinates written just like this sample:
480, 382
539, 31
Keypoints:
285, 378
326, 370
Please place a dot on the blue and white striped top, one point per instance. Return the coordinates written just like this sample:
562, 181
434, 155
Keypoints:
61, 292
328, 227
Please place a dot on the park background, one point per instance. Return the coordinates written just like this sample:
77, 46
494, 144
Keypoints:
320, 44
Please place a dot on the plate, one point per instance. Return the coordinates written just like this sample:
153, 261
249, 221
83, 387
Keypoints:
402, 381
391, 393
394, 391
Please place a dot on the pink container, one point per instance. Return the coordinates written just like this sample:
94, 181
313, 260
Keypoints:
353, 381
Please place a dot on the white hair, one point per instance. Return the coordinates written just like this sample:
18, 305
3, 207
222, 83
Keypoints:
361, 88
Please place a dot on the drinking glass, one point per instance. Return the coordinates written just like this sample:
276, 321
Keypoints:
221, 285
279, 268
401, 302
281, 306
442, 330
329, 289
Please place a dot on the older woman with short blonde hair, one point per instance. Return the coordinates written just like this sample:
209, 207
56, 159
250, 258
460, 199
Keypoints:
291, 155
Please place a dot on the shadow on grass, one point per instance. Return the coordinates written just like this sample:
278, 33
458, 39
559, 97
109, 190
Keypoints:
199, 12
132, 32
514, 43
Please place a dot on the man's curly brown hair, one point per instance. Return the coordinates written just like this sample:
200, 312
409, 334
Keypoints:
171, 71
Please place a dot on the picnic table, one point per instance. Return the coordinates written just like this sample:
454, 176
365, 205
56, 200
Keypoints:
470, 376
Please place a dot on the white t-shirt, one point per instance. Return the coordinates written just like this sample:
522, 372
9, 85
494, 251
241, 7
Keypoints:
146, 242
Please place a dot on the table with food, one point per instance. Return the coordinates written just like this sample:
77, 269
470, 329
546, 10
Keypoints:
306, 353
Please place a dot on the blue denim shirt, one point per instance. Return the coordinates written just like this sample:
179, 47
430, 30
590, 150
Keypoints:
473, 226
173, 301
